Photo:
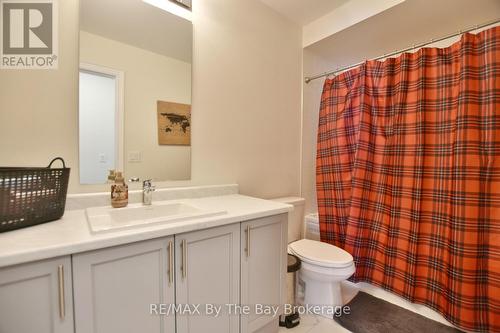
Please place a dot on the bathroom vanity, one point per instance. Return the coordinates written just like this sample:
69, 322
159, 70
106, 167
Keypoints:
62, 277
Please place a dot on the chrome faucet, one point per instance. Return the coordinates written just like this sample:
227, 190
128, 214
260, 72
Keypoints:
147, 192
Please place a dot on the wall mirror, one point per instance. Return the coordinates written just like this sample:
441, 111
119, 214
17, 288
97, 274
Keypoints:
135, 89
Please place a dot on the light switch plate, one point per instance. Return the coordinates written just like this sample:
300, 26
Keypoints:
134, 156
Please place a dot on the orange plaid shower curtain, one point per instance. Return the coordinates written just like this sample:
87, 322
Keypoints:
408, 176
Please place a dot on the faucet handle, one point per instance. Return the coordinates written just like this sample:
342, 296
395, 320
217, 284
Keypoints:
134, 180
148, 184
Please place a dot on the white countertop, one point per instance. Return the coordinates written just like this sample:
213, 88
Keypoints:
71, 234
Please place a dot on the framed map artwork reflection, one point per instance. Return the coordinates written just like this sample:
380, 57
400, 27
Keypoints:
174, 123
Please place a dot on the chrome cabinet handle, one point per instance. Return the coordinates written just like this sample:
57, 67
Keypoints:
170, 263
248, 240
184, 259
62, 306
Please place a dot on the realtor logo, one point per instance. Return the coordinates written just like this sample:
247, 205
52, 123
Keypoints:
28, 34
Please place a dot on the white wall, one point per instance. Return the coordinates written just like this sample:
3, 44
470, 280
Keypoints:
246, 100
350, 13
149, 77
311, 104
38, 108
246, 97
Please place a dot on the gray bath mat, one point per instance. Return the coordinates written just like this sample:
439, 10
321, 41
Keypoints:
369, 314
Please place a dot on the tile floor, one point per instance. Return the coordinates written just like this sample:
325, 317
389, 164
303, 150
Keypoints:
318, 324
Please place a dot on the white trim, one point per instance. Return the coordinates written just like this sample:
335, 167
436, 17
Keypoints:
172, 8
120, 106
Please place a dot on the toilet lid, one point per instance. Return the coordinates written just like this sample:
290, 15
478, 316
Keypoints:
321, 254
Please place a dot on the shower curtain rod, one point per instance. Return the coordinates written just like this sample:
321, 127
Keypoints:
415, 46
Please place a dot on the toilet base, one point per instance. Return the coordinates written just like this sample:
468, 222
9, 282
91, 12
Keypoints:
327, 294
322, 293
320, 288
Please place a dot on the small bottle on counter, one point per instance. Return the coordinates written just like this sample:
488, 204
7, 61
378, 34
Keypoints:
119, 192
111, 176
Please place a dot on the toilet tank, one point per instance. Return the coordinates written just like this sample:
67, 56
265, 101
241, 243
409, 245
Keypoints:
312, 227
296, 217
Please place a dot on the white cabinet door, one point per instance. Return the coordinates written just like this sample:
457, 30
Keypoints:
115, 287
208, 272
37, 297
263, 270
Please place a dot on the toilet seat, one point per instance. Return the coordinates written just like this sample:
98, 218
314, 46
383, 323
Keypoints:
321, 254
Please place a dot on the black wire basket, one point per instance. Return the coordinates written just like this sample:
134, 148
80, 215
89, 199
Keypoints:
30, 196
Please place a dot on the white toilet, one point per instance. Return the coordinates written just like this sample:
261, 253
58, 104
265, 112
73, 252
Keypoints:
324, 266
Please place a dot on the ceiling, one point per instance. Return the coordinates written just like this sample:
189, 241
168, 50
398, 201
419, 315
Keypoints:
304, 11
401, 26
136, 23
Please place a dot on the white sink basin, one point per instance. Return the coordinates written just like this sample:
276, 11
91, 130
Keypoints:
102, 219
